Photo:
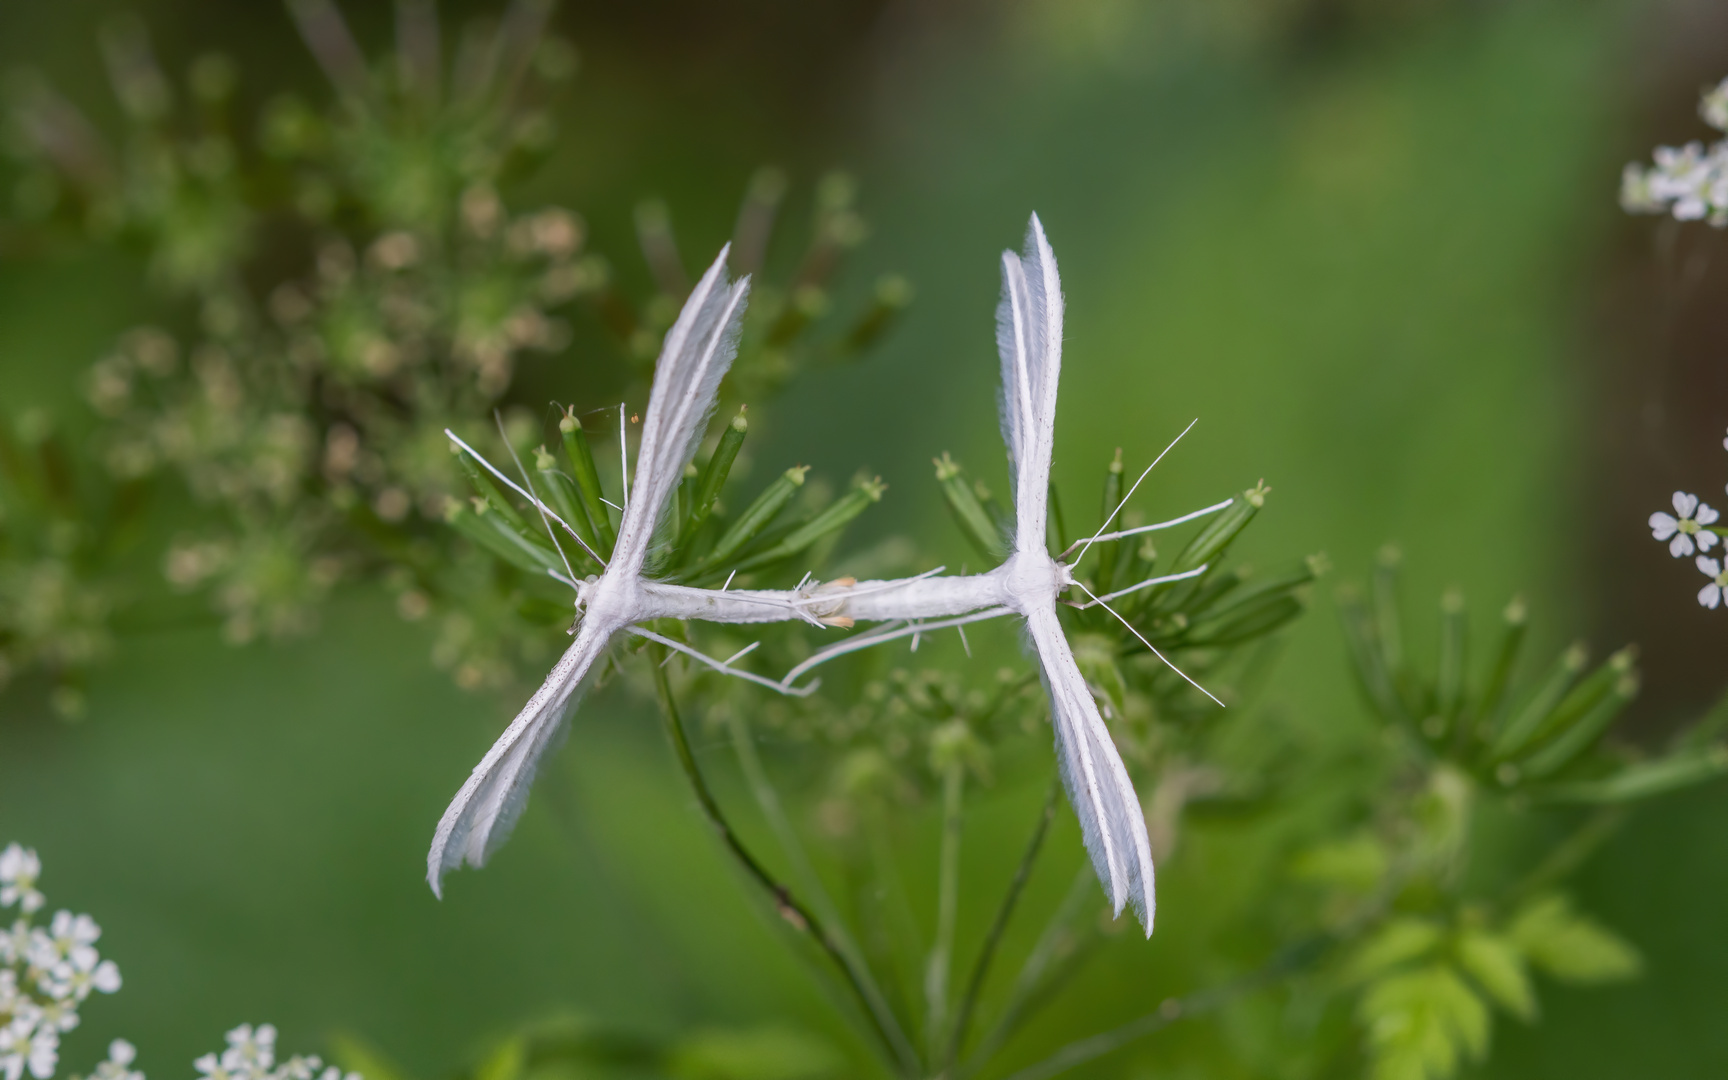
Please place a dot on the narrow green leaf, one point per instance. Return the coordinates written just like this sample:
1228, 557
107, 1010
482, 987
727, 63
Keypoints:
496, 534
714, 476
1397, 942
1497, 966
1583, 730
1449, 676
505, 1062
1515, 619
1107, 552
1644, 779
357, 1055
1569, 946
1213, 540
1527, 721
486, 486
969, 513
581, 458
1359, 632
560, 493
890, 297
757, 516
832, 519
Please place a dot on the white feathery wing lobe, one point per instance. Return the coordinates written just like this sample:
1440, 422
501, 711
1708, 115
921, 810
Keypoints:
698, 350
480, 817
1111, 820
1029, 338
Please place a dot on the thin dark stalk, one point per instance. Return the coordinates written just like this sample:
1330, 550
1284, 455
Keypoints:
882, 1025
941, 961
993, 939
1054, 943
1285, 963
768, 800
1570, 854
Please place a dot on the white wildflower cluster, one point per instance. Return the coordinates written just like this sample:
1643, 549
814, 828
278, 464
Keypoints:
1690, 532
1691, 181
251, 1055
46, 973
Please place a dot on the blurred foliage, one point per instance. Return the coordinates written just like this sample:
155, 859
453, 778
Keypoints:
1402, 933
340, 282
347, 281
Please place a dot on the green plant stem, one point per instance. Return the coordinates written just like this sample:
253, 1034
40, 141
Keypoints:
1569, 854
768, 800
1284, 963
1708, 728
993, 939
1031, 978
941, 960
882, 1025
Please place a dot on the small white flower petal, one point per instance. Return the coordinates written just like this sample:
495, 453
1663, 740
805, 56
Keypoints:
1707, 566
1707, 539
106, 977
122, 1053
1684, 504
1706, 515
1680, 546
1662, 526
1710, 595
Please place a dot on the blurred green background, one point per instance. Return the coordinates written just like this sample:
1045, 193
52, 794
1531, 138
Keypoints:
1374, 247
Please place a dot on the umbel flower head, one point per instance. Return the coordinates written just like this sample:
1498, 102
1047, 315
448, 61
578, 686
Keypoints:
1685, 533
1690, 181
1712, 595
46, 973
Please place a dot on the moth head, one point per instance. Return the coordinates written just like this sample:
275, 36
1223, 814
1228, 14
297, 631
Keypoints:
585, 591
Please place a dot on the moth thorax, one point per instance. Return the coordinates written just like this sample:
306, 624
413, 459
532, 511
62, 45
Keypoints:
1033, 576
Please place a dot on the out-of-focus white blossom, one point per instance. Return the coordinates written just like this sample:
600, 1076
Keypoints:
1712, 595
46, 973
251, 1055
121, 1054
19, 869
1687, 532
1691, 181
1713, 107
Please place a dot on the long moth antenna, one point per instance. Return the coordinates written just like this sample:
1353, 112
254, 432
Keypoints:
1172, 523
517, 488
1148, 644
1148, 583
528, 482
1095, 536
624, 453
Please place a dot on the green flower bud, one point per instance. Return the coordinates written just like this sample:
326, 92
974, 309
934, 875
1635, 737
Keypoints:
757, 516
587, 478
831, 520
1108, 551
969, 513
714, 476
1526, 723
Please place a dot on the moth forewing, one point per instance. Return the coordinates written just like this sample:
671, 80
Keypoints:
484, 811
